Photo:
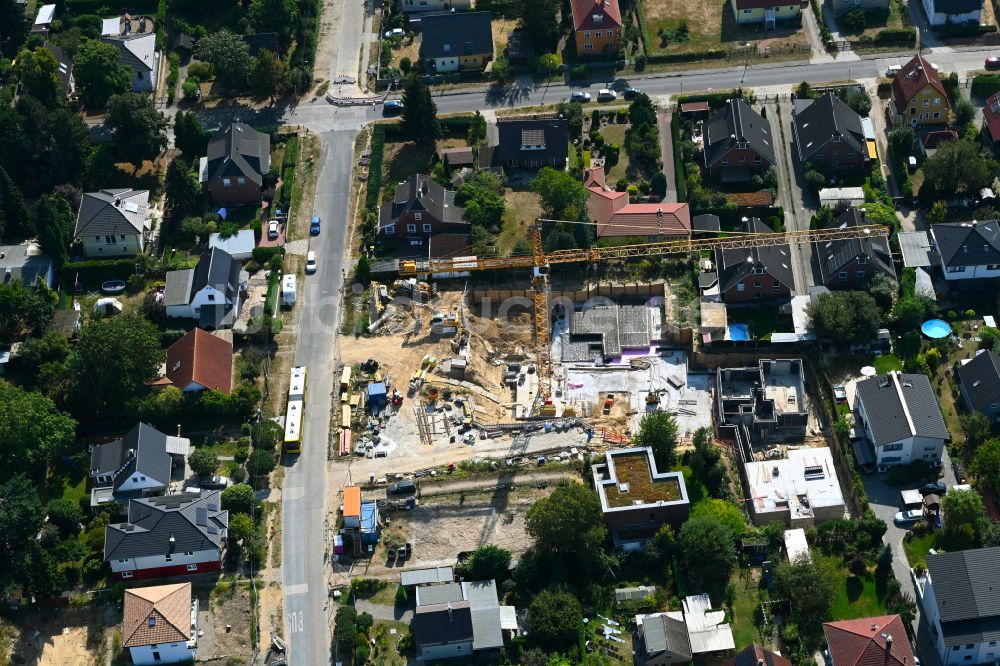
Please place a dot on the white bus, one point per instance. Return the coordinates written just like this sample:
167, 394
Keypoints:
296, 405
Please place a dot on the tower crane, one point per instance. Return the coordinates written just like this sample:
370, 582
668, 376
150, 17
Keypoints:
540, 261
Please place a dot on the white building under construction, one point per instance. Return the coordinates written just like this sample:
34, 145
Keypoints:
799, 490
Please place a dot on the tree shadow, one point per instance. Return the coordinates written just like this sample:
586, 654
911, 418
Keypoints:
855, 588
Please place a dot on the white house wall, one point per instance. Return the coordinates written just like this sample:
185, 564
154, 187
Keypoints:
169, 653
158, 561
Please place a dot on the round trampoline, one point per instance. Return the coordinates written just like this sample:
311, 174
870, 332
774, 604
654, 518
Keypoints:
936, 328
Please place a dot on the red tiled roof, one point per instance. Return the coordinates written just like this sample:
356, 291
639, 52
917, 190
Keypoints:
601, 204
754, 655
202, 358
935, 137
991, 113
914, 77
585, 10
154, 615
662, 219
863, 642
593, 176
694, 107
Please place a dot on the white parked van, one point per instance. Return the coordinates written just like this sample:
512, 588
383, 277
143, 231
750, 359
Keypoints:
311, 262
288, 291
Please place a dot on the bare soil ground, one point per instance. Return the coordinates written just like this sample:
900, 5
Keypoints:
523, 208
501, 33
228, 605
60, 637
710, 25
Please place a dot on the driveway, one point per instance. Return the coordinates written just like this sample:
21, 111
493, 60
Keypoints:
885, 501
667, 154
798, 212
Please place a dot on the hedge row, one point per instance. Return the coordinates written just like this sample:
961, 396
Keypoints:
263, 254
93, 271
715, 99
892, 36
985, 85
709, 54
952, 31
731, 217
106, 7
375, 167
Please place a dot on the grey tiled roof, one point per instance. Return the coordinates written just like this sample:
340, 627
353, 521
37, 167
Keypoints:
217, 268
149, 457
663, 633
116, 211
195, 521
968, 243
967, 591
482, 597
510, 134
886, 413
734, 265
421, 193
429, 595
239, 150
455, 35
825, 118
737, 122
138, 50
178, 289
834, 255
981, 379
441, 624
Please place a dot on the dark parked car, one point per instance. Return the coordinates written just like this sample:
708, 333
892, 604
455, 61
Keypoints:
632, 93
392, 107
314, 226
936, 488
993, 62
404, 488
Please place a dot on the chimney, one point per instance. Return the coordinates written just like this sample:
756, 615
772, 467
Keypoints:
659, 213
888, 646
451, 617
178, 429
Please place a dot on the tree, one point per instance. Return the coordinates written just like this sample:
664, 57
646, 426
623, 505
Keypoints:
102, 386
21, 516
938, 212
99, 73
844, 316
13, 25
269, 76
38, 73
182, 189
65, 514
13, 210
965, 112
556, 619
964, 507
658, 430
138, 128
405, 65
280, 16
261, 463
883, 289
904, 606
482, 197
502, 69
203, 462
658, 184
189, 135
709, 553
420, 121
902, 142
363, 269
976, 428
877, 213
32, 430
810, 587
706, 464
569, 525
540, 19
958, 166
909, 312
488, 562
229, 56
23, 311
986, 464
53, 347
241, 528
815, 180
239, 498
723, 512
54, 225
563, 196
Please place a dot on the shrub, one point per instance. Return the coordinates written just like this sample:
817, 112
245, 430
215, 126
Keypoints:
854, 21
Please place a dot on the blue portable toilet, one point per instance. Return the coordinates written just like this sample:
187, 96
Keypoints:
376, 394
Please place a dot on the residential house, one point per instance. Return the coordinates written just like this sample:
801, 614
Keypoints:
767, 12
160, 624
979, 382
456, 42
755, 273
200, 361
430, 576
211, 292
43, 19
528, 143
959, 596
757, 655
828, 133
239, 246
414, 6
968, 250
852, 263
174, 535
636, 498
140, 55
113, 223
460, 621
991, 122
236, 166
952, 12
421, 208
597, 26
869, 641
615, 217
595, 177
738, 142
766, 399
901, 418
65, 72
457, 158
841, 6
678, 636
919, 98
799, 490
138, 465
25, 263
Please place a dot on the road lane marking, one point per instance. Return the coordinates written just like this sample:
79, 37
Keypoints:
300, 588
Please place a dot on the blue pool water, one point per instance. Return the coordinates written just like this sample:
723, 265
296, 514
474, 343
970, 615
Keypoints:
936, 328
739, 332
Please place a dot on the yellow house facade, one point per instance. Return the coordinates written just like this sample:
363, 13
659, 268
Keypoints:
755, 11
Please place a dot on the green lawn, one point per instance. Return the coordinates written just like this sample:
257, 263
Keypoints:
385, 652
745, 607
523, 208
63, 482
887, 362
916, 549
221, 449
856, 596
616, 134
